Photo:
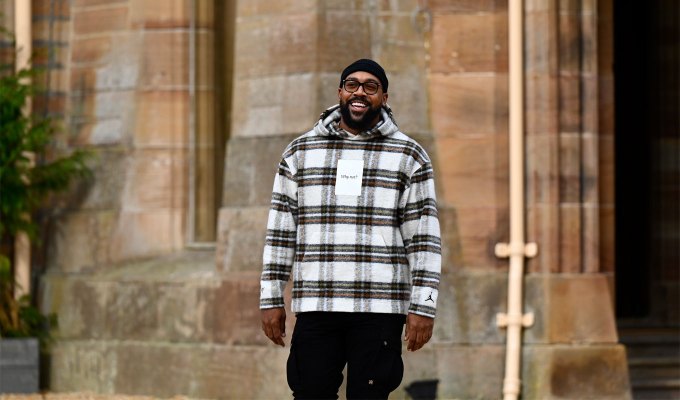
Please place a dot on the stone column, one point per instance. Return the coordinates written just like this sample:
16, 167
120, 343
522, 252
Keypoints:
569, 196
569, 147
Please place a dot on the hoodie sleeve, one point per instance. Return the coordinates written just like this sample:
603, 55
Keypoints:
420, 232
279, 249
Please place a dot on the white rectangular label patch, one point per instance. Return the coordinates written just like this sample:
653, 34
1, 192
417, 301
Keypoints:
350, 175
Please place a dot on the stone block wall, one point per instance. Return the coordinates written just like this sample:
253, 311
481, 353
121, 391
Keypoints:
127, 98
140, 315
468, 78
288, 59
449, 83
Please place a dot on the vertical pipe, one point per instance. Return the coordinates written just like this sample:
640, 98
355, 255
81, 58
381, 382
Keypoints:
515, 320
24, 48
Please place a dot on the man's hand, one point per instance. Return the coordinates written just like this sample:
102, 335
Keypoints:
418, 331
274, 324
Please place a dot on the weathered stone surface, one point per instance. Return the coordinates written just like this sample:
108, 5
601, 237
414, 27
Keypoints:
289, 39
250, 168
165, 61
157, 180
179, 298
104, 191
570, 100
575, 372
452, 254
160, 15
100, 20
467, 307
570, 245
206, 328
570, 160
408, 100
570, 309
263, 7
240, 238
161, 118
541, 104
147, 233
273, 105
541, 222
82, 240
91, 50
354, 45
470, 372
85, 3
582, 310
466, 6
467, 104
195, 370
465, 42
467, 170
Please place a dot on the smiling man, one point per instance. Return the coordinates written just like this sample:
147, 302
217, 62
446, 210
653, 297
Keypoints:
354, 221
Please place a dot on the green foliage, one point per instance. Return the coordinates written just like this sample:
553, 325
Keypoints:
23, 185
18, 317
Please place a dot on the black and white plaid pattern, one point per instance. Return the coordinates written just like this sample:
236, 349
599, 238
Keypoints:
378, 252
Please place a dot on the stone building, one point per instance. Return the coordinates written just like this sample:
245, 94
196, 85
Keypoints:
153, 266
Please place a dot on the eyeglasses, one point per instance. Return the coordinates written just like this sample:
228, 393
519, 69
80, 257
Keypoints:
352, 86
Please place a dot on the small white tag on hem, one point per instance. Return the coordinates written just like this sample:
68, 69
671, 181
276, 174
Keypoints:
349, 177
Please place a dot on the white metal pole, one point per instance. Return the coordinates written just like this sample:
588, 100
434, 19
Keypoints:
517, 249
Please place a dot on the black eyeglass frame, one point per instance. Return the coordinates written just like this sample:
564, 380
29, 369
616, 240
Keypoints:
360, 85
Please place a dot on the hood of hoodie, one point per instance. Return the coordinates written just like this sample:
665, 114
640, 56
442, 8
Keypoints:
328, 125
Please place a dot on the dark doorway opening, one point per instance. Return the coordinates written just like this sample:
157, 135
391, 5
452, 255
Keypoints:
646, 68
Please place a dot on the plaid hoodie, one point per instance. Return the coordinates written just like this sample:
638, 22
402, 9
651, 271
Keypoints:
377, 252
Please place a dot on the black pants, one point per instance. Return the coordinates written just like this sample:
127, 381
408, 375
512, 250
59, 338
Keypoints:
323, 342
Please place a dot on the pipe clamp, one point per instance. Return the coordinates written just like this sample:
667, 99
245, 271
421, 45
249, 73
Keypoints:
504, 320
504, 250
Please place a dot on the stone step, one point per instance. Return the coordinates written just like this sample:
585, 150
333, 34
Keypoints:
654, 361
651, 342
657, 389
179, 299
654, 368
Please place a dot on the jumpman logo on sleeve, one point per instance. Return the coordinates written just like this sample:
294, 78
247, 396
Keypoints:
430, 298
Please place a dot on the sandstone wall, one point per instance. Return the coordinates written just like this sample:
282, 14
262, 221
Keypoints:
141, 314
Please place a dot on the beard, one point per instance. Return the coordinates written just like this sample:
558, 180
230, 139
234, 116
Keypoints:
362, 123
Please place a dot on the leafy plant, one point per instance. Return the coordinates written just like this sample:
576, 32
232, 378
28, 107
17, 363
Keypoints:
24, 187
18, 317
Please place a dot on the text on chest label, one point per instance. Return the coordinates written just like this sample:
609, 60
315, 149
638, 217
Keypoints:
349, 177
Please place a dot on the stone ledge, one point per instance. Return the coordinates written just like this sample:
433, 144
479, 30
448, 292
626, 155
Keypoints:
179, 298
167, 369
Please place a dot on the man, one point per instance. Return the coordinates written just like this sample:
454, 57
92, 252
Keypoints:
354, 219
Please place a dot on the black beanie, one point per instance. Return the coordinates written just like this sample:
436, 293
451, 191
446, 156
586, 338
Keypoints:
369, 66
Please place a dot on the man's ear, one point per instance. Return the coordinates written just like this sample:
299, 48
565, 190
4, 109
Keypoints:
384, 100
339, 93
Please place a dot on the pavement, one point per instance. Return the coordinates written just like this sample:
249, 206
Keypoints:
81, 396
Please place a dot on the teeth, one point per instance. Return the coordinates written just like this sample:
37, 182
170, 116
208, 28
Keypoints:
357, 104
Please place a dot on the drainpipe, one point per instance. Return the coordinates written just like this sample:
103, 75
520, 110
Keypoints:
22, 245
514, 320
